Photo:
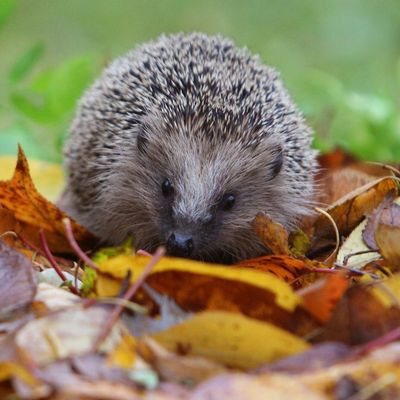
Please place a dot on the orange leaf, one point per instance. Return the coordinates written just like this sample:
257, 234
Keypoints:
28, 206
285, 267
272, 234
321, 297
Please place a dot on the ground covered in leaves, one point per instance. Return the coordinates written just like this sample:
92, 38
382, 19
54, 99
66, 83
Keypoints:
318, 318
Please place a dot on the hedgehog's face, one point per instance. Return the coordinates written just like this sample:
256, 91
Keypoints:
204, 194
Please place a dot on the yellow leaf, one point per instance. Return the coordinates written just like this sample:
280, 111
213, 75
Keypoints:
10, 370
47, 177
124, 355
388, 291
120, 265
230, 338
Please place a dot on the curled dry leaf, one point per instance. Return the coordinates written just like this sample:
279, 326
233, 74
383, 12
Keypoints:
319, 356
388, 240
386, 230
55, 298
351, 209
354, 253
231, 339
17, 281
373, 221
20, 197
65, 333
237, 386
272, 234
184, 370
360, 316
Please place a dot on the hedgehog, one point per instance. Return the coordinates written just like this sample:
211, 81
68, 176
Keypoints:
180, 143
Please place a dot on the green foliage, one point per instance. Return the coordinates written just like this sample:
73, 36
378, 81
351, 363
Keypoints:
366, 125
45, 99
26, 63
6, 9
330, 54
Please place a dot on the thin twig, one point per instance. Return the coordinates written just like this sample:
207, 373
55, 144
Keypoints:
8, 233
327, 215
52, 260
381, 341
114, 315
73, 243
142, 252
76, 275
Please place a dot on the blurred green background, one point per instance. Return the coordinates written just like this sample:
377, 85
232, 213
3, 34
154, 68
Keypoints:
340, 60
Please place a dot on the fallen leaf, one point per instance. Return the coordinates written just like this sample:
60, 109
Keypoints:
47, 177
355, 251
388, 239
237, 386
285, 267
184, 370
321, 297
231, 339
317, 357
196, 286
274, 236
385, 213
360, 316
65, 333
54, 298
20, 197
351, 209
17, 281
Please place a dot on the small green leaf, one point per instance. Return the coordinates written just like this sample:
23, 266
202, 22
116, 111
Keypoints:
33, 107
107, 252
68, 83
26, 63
89, 279
6, 9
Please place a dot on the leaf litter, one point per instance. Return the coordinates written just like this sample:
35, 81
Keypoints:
300, 322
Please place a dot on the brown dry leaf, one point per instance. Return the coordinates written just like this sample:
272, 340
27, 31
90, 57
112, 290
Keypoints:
360, 316
231, 339
375, 376
28, 206
387, 212
272, 234
54, 298
388, 240
65, 333
321, 297
184, 370
17, 281
386, 228
351, 209
317, 357
237, 386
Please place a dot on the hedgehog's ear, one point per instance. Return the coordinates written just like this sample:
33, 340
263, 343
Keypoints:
275, 165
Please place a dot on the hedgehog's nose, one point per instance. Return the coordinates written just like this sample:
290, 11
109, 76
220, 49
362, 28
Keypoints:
180, 245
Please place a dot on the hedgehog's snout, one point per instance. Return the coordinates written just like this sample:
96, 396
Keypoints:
180, 244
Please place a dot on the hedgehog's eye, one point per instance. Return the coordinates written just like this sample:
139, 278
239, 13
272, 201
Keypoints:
227, 201
167, 188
